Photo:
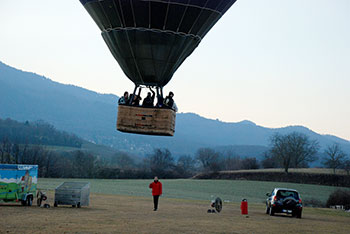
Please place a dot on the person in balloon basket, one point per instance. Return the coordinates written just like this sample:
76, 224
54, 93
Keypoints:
124, 99
156, 187
169, 101
149, 100
160, 101
136, 100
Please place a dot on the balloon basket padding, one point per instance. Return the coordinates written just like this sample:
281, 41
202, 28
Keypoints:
146, 120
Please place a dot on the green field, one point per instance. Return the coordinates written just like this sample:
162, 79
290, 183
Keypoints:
125, 206
231, 190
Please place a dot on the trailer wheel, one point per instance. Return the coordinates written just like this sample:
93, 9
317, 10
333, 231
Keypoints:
38, 201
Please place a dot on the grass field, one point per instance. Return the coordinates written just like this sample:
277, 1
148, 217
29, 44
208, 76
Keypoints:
132, 214
125, 206
231, 190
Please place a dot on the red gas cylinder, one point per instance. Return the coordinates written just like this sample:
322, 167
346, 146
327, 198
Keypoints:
244, 207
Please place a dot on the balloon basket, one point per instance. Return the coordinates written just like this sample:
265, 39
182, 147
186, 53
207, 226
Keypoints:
146, 120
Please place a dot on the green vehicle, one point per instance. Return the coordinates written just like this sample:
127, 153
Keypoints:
18, 183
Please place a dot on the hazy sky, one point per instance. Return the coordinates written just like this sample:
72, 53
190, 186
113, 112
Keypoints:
274, 62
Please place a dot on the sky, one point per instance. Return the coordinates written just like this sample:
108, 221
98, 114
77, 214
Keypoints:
274, 62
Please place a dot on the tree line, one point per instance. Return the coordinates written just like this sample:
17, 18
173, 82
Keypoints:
293, 150
36, 133
296, 150
83, 164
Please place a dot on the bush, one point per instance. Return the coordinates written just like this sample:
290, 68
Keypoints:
314, 203
339, 197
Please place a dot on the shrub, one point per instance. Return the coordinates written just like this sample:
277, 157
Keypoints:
339, 197
314, 203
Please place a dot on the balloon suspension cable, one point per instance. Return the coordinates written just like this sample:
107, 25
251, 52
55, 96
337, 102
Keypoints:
133, 94
139, 94
159, 91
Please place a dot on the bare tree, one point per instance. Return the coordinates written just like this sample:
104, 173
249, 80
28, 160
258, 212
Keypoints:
293, 150
232, 163
304, 150
83, 164
124, 161
185, 166
230, 160
161, 163
209, 159
250, 163
5, 150
346, 166
269, 161
335, 157
16, 151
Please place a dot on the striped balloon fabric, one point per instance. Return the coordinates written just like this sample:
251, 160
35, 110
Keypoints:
150, 39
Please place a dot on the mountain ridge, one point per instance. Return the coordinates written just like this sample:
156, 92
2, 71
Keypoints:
92, 116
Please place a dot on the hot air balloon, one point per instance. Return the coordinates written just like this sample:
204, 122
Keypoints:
150, 39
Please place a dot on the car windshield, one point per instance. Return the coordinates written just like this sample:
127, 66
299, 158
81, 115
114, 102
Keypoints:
286, 193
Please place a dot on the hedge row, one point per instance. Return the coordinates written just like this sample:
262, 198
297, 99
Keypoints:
292, 177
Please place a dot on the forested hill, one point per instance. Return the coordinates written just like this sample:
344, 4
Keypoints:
92, 116
36, 133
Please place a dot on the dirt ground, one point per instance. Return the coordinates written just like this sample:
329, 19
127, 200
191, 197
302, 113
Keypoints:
125, 214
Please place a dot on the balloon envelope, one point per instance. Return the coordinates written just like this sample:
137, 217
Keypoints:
150, 39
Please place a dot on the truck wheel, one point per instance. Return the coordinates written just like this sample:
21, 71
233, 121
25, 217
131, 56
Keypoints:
299, 214
294, 213
272, 212
55, 204
30, 201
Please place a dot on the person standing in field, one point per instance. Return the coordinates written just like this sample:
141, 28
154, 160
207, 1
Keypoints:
156, 187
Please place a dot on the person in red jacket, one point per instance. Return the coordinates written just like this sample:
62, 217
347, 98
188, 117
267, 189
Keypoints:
156, 187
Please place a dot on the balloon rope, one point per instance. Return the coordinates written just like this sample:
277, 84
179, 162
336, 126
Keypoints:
168, 57
183, 16
153, 62
166, 15
121, 11
130, 47
194, 23
116, 12
110, 24
149, 14
133, 13
220, 14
